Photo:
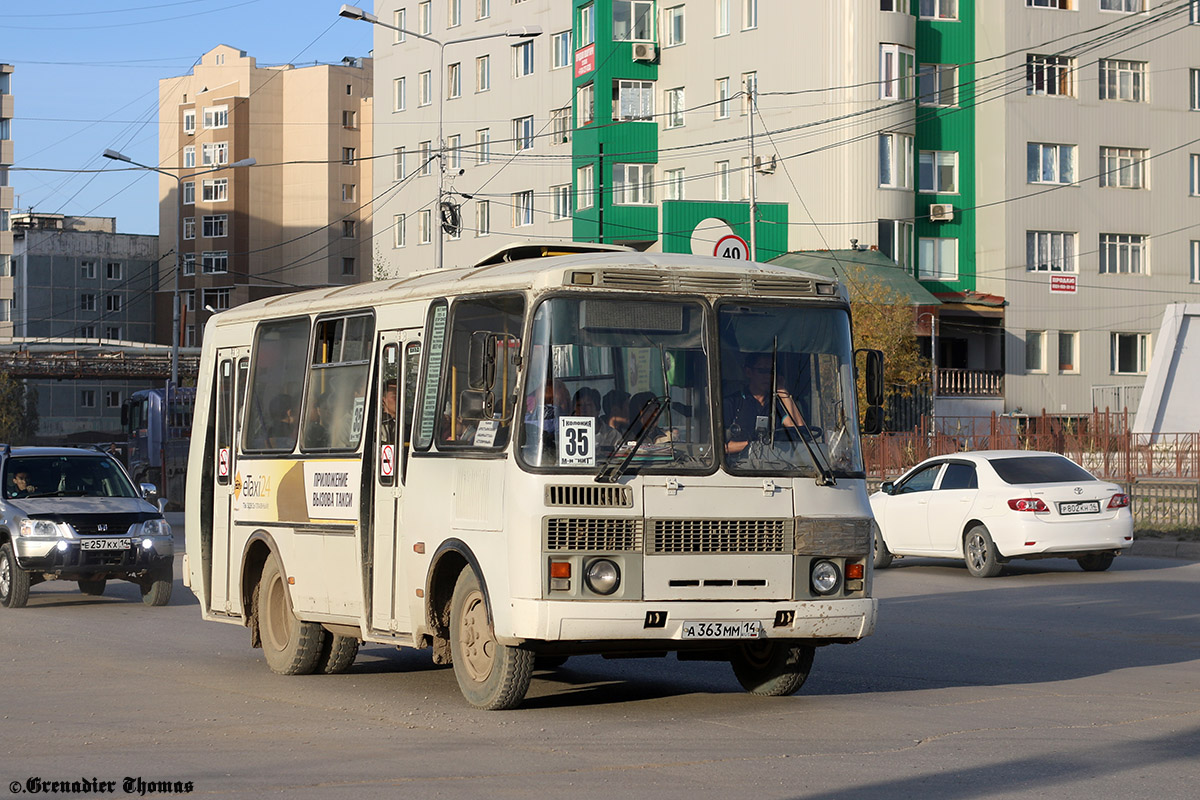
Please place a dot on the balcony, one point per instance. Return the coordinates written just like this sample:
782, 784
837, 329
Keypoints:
970, 383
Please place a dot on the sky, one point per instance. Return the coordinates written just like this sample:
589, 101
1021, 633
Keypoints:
86, 75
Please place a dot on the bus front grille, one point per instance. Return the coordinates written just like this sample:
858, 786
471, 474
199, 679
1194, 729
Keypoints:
720, 536
589, 496
594, 534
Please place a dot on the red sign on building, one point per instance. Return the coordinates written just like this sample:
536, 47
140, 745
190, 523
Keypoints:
585, 60
1064, 283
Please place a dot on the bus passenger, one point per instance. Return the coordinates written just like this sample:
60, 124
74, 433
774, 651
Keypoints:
282, 431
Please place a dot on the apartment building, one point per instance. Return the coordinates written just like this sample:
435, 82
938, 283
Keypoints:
299, 217
909, 126
6, 200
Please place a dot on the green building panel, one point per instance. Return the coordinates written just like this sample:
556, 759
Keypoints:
681, 218
950, 128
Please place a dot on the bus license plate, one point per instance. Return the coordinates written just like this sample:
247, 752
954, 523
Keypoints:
103, 544
746, 629
1089, 507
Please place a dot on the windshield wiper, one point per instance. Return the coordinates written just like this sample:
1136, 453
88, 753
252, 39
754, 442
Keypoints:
612, 468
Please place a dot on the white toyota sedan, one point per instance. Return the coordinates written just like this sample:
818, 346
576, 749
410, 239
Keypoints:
989, 507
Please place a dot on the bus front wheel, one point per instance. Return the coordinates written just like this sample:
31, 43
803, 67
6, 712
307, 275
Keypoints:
291, 647
772, 669
492, 676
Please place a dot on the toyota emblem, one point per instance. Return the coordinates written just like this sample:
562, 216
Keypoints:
1078, 490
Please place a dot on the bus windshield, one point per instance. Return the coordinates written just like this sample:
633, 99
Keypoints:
801, 356
606, 376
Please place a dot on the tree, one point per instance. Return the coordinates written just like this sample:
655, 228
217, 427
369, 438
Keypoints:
18, 411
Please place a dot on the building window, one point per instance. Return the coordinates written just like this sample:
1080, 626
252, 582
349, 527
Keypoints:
1195, 261
1127, 6
1194, 175
348, 229
522, 133
560, 197
483, 218
349, 119
522, 208
217, 299
1130, 353
896, 65
1049, 75
937, 172
454, 151
347, 266
675, 108
1123, 80
424, 17
87, 302
214, 154
1035, 351
113, 270
87, 269
674, 26
749, 14
1063, 4
216, 190
398, 223
522, 59
189, 264
722, 98
896, 241
900, 6
189, 156
938, 9
112, 398
189, 300
587, 24
214, 262
348, 192
87, 397
560, 50
453, 13
483, 9
633, 100
1049, 163
937, 259
673, 184
1122, 167
400, 21
1050, 251
1195, 98
633, 20
585, 183
189, 228
398, 157
216, 117
937, 85
425, 88
483, 74
585, 104
721, 171
483, 145
112, 303
1068, 351
454, 81
189, 193
425, 227
895, 160
1123, 253
189, 121
399, 94
560, 126
722, 8
1194, 12
112, 332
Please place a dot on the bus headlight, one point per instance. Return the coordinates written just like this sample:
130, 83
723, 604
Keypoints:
603, 576
826, 577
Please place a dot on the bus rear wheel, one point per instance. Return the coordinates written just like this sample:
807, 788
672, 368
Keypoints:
491, 676
291, 647
772, 669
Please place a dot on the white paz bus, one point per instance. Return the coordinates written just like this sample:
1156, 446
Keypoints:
541, 456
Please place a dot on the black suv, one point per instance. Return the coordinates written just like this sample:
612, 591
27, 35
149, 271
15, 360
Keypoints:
68, 514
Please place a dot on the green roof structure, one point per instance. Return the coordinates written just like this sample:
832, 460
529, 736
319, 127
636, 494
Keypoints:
880, 269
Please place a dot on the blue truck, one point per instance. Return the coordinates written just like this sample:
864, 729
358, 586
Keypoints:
157, 432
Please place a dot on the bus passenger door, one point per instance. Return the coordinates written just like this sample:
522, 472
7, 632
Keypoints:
400, 355
232, 369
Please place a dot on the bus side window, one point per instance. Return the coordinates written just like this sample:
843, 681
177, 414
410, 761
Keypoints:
389, 394
412, 366
224, 419
277, 382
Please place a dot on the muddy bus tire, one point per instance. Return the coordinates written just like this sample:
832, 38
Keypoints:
492, 676
337, 654
291, 647
772, 669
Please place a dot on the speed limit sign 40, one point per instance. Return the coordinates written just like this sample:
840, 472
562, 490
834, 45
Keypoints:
732, 246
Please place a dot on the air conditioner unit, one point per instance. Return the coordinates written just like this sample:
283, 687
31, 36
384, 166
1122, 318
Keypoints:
764, 166
941, 212
644, 51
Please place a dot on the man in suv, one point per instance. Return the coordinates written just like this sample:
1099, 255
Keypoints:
68, 514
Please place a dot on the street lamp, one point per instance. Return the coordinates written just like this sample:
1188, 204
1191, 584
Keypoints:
115, 156
522, 32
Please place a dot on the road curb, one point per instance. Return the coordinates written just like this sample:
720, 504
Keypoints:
1157, 548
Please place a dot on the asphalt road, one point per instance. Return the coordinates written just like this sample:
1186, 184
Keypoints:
1044, 682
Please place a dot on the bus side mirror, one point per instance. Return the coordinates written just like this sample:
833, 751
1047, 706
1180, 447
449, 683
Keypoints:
125, 414
481, 361
873, 420
873, 375
476, 405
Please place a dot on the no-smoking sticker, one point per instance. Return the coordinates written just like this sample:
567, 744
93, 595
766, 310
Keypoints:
387, 460
223, 462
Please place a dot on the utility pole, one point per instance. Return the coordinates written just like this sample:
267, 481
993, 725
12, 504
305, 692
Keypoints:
751, 89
